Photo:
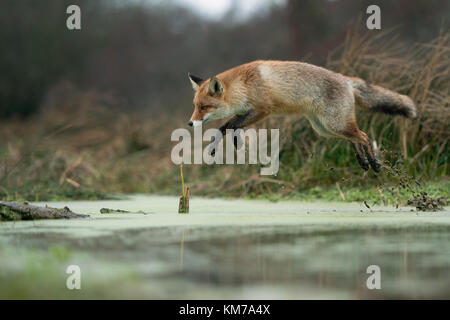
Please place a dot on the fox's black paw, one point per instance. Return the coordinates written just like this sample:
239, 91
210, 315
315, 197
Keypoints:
363, 162
375, 165
365, 166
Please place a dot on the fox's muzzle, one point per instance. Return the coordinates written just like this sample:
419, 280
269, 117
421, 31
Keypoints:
195, 123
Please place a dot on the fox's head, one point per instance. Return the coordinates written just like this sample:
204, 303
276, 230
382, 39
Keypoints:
209, 100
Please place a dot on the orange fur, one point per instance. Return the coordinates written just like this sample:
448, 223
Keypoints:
255, 90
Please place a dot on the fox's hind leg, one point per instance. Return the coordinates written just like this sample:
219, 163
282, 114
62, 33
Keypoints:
360, 156
371, 157
369, 151
339, 121
362, 146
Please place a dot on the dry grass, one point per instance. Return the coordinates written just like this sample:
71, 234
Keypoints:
80, 146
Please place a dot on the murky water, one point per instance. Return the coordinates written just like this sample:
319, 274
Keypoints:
230, 250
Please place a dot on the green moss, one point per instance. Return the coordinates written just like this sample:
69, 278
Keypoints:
371, 193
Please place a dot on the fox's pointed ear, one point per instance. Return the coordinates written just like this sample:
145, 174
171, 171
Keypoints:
215, 87
195, 81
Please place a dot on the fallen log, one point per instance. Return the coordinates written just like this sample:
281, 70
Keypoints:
12, 211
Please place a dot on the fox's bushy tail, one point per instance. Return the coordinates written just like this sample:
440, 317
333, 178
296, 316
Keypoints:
378, 99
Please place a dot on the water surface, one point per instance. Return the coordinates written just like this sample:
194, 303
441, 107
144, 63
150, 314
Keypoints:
228, 249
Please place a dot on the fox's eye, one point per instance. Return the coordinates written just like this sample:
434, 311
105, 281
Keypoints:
203, 107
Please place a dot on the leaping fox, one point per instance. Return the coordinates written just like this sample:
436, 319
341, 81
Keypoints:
250, 92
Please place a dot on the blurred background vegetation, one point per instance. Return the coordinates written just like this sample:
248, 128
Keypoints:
89, 113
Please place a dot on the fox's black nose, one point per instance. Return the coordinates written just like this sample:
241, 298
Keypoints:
190, 123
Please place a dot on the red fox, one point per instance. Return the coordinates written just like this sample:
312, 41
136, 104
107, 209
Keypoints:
250, 92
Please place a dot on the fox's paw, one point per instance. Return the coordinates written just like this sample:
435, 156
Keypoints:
375, 165
362, 162
365, 166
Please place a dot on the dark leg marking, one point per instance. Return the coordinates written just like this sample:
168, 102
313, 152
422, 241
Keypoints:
237, 125
372, 160
233, 123
360, 156
242, 121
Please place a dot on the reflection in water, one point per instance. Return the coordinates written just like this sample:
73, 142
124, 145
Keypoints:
274, 262
414, 263
182, 250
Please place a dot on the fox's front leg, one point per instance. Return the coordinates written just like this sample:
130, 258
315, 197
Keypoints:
238, 124
242, 121
247, 119
227, 125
